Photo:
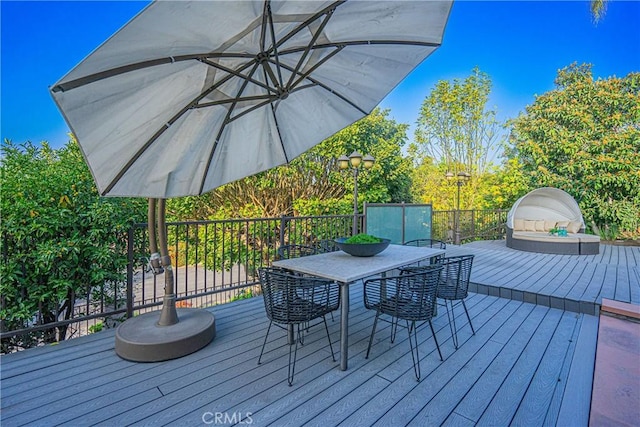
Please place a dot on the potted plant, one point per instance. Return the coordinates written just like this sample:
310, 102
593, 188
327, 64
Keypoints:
362, 245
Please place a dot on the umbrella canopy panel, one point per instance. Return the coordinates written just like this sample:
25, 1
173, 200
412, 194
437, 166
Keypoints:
191, 95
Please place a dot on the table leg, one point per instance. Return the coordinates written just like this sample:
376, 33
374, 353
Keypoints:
344, 326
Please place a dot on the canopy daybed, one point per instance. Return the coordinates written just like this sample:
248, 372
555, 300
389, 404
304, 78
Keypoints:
536, 214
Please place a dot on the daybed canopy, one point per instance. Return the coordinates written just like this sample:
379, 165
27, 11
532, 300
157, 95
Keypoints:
545, 203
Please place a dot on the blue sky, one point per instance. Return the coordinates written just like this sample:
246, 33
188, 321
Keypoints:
519, 44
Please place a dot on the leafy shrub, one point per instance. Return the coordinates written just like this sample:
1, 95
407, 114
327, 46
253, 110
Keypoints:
61, 241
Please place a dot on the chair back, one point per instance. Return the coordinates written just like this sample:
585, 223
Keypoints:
327, 245
431, 243
454, 279
295, 251
292, 298
409, 296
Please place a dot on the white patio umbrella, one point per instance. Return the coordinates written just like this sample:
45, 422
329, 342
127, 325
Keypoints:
189, 96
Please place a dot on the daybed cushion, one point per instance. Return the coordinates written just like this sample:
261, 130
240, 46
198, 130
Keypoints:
544, 237
573, 227
542, 225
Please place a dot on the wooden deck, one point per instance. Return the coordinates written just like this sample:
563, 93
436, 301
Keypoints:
568, 282
527, 364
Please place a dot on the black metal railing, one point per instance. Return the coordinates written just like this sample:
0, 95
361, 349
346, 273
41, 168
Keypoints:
216, 262
473, 225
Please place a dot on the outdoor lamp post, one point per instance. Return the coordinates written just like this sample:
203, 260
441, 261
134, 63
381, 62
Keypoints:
355, 161
461, 179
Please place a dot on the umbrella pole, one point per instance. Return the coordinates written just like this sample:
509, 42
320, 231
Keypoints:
144, 338
169, 315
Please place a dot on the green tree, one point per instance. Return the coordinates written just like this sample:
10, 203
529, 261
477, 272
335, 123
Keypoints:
455, 132
598, 9
584, 137
60, 240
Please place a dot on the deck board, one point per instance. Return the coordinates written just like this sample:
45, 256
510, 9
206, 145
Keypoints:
507, 399
532, 410
523, 365
579, 378
479, 395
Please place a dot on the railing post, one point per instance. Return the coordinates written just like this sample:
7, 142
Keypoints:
130, 239
473, 223
283, 224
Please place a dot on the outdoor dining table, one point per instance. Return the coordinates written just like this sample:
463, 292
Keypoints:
346, 269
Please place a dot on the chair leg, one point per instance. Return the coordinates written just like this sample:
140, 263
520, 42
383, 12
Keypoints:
394, 328
468, 317
333, 357
452, 323
414, 356
433, 332
373, 331
265, 342
300, 337
292, 367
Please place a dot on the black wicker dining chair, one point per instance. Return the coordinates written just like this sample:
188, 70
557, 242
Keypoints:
327, 245
295, 300
295, 251
429, 243
410, 297
454, 288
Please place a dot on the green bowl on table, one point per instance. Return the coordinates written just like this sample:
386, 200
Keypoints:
362, 245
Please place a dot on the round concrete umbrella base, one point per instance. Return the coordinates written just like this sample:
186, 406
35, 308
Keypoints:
141, 339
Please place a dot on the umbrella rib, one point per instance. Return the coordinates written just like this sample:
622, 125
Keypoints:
248, 110
269, 98
264, 26
91, 78
275, 121
317, 65
275, 46
306, 51
223, 127
306, 23
361, 43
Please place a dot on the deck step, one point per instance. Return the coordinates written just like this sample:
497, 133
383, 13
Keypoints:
631, 311
615, 398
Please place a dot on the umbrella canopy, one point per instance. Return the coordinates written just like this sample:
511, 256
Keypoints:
189, 96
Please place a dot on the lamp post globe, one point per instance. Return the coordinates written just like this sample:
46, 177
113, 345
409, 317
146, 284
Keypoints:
355, 161
461, 178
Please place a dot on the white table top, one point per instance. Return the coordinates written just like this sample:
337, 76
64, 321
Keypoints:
344, 268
